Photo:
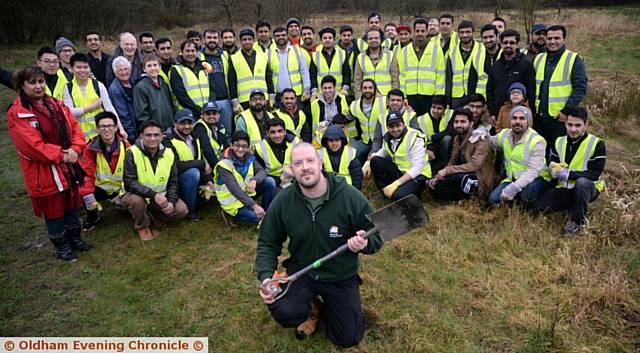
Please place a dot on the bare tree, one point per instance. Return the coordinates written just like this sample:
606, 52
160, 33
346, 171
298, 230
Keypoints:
527, 9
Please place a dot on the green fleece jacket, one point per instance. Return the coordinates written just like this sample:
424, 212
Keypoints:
315, 233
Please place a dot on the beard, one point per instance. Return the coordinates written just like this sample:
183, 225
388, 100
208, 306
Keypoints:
257, 108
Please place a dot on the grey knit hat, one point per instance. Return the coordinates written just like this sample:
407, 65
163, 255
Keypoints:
63, 42
525, 110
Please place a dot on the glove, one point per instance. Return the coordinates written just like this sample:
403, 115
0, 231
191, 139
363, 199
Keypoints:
478, 134
207, 67
563, 175
205, 191
390, 189
510, 192
556, 168
366, 170
117, 200
90, 202
286, 177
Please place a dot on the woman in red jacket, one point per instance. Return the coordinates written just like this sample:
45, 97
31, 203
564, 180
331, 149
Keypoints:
48, 141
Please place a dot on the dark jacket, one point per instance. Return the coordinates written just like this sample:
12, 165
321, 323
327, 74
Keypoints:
201, 135
467, 157
136, 66
355, 168
178, 90
346, 69
503, 74
314, 233
5, 78
169, 135
153, 102
595, 165
122, 100
130, 176
578, 81
99, 67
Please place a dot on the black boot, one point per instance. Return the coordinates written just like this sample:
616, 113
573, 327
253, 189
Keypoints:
63, 248
73, 236
93, 217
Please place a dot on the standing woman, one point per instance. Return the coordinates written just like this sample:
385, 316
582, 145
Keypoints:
48, 141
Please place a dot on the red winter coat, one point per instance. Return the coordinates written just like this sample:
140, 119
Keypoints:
41, 162
88, 163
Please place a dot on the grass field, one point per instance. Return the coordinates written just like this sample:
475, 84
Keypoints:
471, 281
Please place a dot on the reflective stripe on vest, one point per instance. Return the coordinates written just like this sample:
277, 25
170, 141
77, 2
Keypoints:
289, 125
217, 148
293, 67
105, 179
247, 80
315, 112
271, 164
253, 130
368, 123
348, 154
401, 156
156, 181
516, 158
460, 70
185, 153
58, 90
86, 121
406, 117
225, 65
380, 73
197, 87
560, 87
425, 123
334, 69
580, 160
421, 76
483, 77
227, 201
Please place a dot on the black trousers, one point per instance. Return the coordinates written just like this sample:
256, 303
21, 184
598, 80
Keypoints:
342, 310
442, 151
420, 103
550, 129
386, 172
575, 200
455, 187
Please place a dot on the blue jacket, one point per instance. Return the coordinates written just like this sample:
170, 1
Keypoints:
122, 100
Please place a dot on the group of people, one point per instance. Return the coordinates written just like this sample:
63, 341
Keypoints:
414, 108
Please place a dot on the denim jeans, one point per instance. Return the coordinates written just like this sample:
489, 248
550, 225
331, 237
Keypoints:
188, 187
266, 189
226, 116
527, 196
362, 150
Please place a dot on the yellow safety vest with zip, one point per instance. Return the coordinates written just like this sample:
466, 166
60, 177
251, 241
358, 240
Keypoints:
229, 203
424, 76
580, 160
344, 109
248, 80
217, 148
185, 153
368, 123
380, 73
560, 87
461, 70
197, 87
348, 154
363, 45
334, 68
271, 164
294, 61
91, 94
156, 181
516, 158
401, 155
253, 130
406, 117
111, 182
288, 121
455, 40
58, 90
425, 123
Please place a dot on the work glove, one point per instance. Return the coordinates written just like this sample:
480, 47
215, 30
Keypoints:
206, 191
207, 67
510, 192
91, 203
366, 170
478, 134
556, 168
287, 176
390, 189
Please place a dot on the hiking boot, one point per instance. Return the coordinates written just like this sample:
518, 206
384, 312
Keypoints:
308, 327
572, 229
193, 217
75, 240
63, 248
93, 217
146, 234
228, 219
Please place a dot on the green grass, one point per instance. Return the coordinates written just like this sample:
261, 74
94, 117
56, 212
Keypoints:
471, 281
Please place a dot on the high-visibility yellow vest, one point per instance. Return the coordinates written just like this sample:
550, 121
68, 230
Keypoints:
307, 55
368, 123
348, 154
111, 182
315, 115
580, 160
258, 47
425, 123
453, 42
401, 156
560, 87
197, 87
91, 94
460, 69
334, 68
248, 80
156, 181
165, 77
294, 61
225, 64
217, 148
380, 73
253, 130
227, 201
271, 164
516, 158
185, 153
289, 125
483, 77
363, 45
406, 117
425, 76
58, 90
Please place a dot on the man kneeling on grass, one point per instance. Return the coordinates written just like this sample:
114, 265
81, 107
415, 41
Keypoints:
318, 213
151, 181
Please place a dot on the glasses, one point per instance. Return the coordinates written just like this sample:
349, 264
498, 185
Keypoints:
106, 127
509, 42
240, 146
50, 62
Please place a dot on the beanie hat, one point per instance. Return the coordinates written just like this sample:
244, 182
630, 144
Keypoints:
525, 110
518, 86
63, 42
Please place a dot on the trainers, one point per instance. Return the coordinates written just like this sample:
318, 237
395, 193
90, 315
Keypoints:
91, 221
308, 327
572, 229
228, 219
146, 234
193, 217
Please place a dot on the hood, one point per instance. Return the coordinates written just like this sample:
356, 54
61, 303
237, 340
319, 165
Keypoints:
334, 132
